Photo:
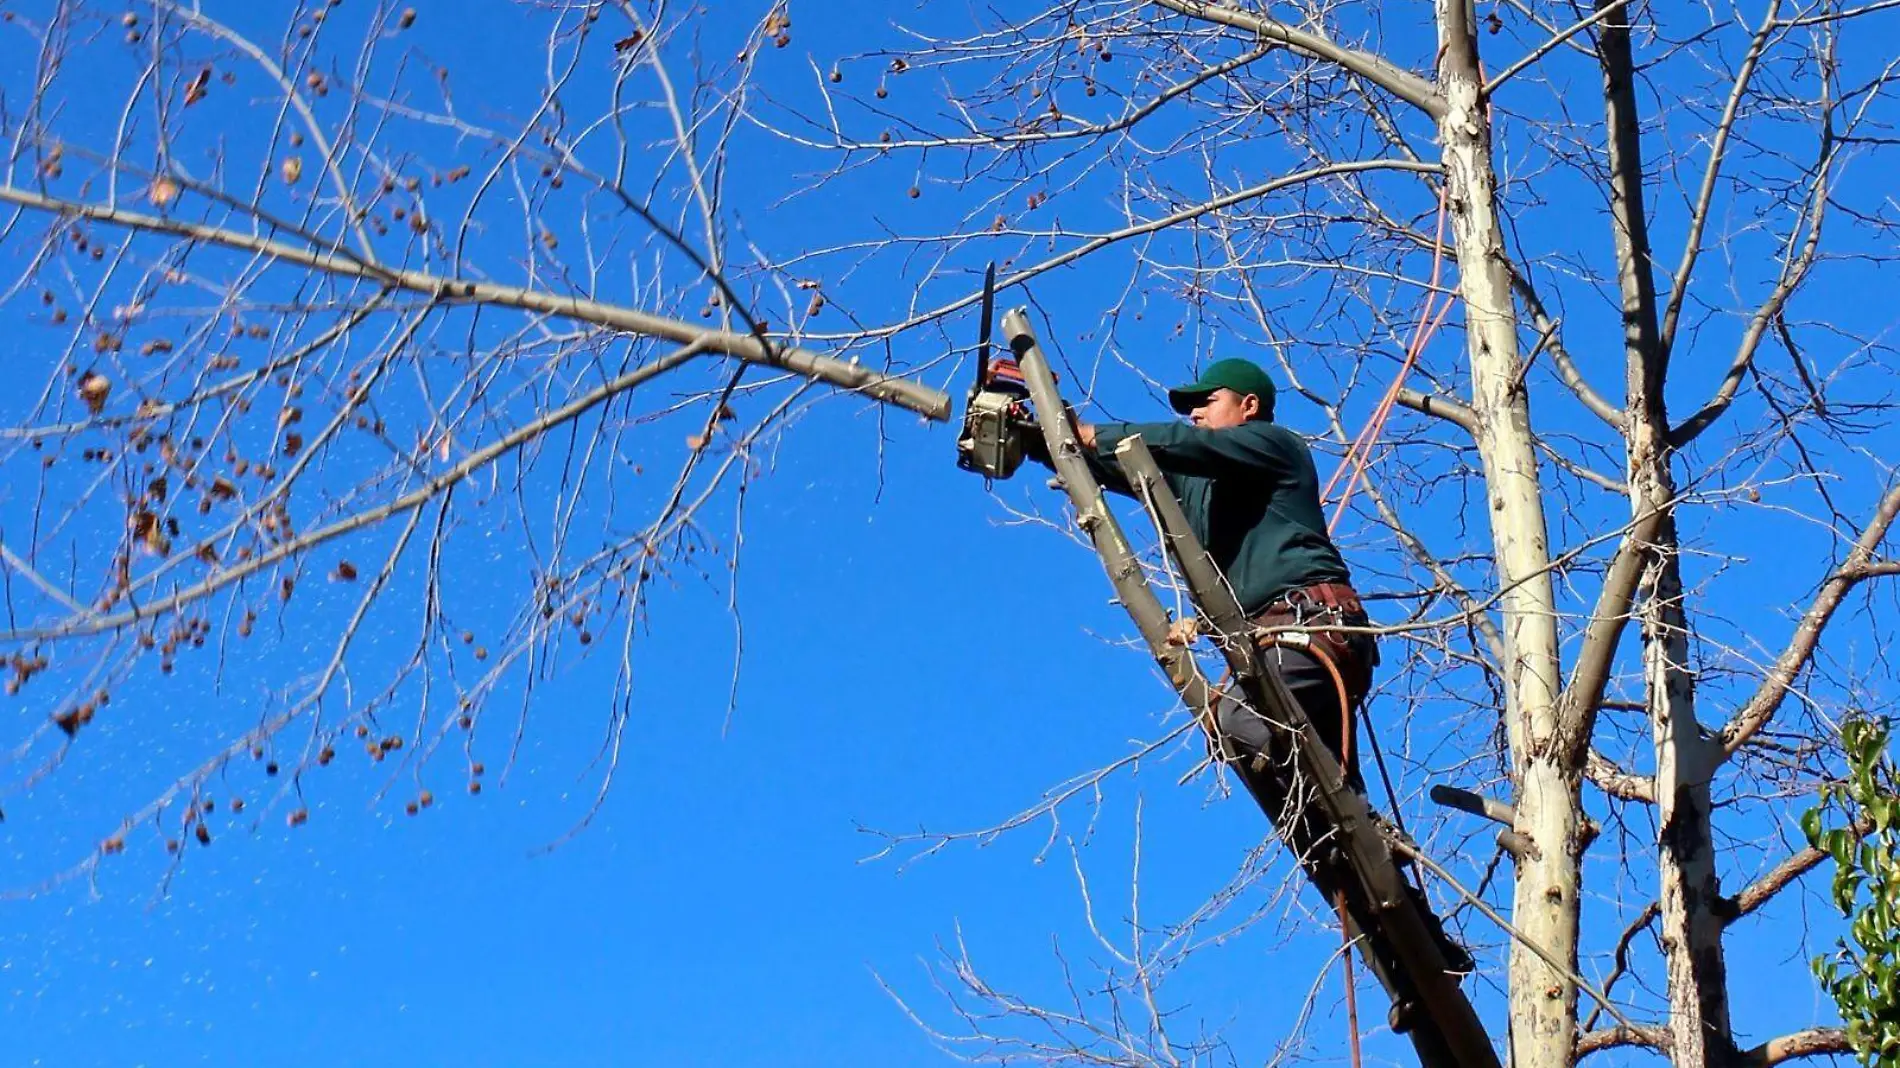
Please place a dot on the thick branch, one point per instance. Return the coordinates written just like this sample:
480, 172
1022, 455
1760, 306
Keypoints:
931, 403
1780, 877
1794, 659
1443, 407
1616, 782
1584, 695
1403, 84
1653, 1036
1810, 1043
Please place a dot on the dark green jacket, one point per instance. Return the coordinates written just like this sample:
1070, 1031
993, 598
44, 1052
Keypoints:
1250, 493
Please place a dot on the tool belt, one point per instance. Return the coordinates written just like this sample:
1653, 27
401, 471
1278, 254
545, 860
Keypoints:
1334, 595
1322, 605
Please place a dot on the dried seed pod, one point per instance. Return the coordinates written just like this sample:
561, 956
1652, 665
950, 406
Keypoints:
94, 388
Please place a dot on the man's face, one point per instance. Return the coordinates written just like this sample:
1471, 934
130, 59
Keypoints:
1224, 408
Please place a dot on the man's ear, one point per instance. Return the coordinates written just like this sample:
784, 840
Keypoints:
1250, 406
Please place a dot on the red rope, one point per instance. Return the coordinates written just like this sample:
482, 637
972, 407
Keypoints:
1339, 896
1359, 456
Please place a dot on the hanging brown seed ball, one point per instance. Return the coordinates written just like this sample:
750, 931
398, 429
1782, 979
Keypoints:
94, 388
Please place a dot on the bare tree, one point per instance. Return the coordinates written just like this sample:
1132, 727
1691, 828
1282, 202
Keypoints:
1293, 175
325, 324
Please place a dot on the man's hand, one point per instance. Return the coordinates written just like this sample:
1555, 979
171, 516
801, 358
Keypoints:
1085, 433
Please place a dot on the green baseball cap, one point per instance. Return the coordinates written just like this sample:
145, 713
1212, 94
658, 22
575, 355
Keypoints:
1241, 376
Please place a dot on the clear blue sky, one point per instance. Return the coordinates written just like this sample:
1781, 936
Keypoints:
897, 673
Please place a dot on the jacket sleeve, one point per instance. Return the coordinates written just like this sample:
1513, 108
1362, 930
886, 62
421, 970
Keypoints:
1101, 463
1183, 449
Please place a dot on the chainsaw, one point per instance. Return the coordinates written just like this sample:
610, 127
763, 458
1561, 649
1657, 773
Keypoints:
996, 415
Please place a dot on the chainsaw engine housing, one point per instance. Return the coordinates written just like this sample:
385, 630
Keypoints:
991, 443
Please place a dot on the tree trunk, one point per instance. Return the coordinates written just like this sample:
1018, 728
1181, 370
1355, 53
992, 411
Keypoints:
1691, 932
1543, 999
1698, 1026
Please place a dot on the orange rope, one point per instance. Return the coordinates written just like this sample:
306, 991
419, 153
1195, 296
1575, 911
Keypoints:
1357, 459
1359, 456
1325, 660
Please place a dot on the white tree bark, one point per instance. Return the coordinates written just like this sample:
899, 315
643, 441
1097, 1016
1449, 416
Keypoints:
1543, 999
1699, 1032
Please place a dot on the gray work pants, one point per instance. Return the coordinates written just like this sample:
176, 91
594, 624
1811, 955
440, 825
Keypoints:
1313, 687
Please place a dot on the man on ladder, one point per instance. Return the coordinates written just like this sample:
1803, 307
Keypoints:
1251, 495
